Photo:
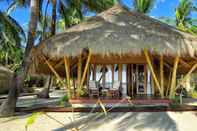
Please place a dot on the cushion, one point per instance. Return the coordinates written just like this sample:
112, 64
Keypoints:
116, 85
92, 84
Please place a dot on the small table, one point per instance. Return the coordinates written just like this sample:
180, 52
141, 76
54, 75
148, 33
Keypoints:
94, 93
114, 93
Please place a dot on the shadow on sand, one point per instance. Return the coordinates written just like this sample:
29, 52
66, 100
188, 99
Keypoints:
160, 121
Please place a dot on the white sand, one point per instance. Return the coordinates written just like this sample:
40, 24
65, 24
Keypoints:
130, 121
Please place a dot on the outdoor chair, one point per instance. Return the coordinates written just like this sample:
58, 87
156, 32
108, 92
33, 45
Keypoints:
115, 90
93, 90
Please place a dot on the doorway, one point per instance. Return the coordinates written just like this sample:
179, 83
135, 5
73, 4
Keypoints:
137, 79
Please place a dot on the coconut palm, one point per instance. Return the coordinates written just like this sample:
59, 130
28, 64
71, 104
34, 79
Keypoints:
183, 16
72, 11
11, 36
8, 106
143, 6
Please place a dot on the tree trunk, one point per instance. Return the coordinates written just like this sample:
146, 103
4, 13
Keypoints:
8, 106
48, 84
53, 23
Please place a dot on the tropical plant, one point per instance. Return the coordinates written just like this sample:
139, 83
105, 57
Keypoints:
72, 11
11, 37
184, 21
8, 106
143, 6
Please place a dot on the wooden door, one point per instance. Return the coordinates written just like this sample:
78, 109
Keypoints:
141, 78
137, 77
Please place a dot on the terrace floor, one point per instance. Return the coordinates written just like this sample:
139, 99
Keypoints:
124, 101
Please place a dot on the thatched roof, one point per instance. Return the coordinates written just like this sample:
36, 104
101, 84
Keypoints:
119, 31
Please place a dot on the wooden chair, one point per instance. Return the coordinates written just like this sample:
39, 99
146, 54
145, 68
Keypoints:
115, 90
93, 90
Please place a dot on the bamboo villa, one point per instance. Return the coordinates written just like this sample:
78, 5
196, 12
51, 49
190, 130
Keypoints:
117, 54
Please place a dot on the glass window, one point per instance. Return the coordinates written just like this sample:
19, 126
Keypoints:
108, 76
99, 73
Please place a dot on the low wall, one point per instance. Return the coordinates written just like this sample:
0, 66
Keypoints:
5, 79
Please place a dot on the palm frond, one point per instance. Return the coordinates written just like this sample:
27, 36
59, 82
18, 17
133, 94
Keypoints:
143, 6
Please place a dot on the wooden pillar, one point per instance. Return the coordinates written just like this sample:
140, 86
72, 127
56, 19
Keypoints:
173, 81
84, 73
169, 83
112, 74
79, 66
67, 68
52, 69
94, 72
127, 80
131, 80
145, 79
161, 76
88, 76
104, 76
187, 75
152, 70
120, 73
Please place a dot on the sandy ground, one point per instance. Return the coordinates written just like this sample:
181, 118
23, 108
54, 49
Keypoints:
130, 121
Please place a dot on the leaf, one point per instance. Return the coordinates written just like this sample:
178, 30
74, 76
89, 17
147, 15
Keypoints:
31, 119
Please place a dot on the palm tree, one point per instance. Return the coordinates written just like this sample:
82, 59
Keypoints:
72, 11
183, 16
11, 35
143, 6
8, 106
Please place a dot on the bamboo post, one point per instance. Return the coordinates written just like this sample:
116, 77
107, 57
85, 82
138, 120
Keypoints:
94, 72
120, 73
152, 70
169, 83
145, 79
132, 81
187, 75
67, 68
52, 69
104, 75
173, 80
112, 74
84, 73
79, 65
161, 76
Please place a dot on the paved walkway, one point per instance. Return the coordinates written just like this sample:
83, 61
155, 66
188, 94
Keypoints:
131, 121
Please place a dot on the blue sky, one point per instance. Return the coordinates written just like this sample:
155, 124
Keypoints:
161, 8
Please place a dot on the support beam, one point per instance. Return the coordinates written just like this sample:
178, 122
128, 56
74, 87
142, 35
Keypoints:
120, 73
52, 69
79, 66
152, 70
85, 71
132, 81
184, 63
104, 75
112, 74
173, 81
94, 72
169, 83
187, 75
59, 64
67, 68
162, 76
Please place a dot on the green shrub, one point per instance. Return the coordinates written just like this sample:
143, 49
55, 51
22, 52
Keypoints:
194, 94
64, 99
